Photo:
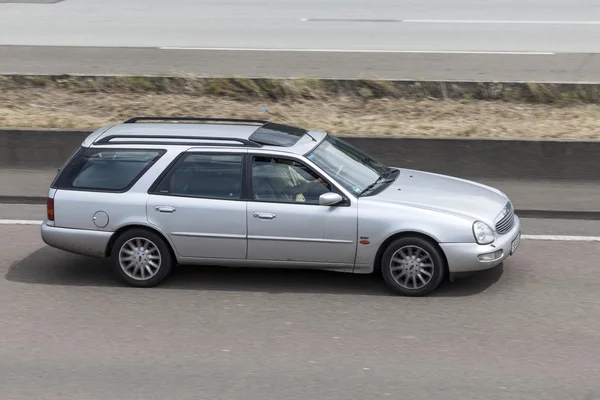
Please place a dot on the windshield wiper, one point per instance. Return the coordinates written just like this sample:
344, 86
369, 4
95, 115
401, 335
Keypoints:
371, 186
384, 175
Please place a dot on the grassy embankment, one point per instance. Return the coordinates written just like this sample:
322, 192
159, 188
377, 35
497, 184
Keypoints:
340, 107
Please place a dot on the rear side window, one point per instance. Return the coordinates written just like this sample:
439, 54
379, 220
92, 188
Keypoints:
112, 170
60, 172
213, 176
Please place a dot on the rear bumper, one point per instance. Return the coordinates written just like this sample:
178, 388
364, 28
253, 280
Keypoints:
463, 257
78, 241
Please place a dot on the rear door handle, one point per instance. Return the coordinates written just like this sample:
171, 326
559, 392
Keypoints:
165, 209
262, 215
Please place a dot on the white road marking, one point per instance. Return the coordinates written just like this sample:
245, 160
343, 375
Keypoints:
493, 21
456, 21
350, 20
562, 238
537, 53
555, 238
20, 222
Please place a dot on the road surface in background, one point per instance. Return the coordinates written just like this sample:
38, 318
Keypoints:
581, 68
528, 330
392, 39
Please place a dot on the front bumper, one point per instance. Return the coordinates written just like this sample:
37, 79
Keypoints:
78, 241
464, 257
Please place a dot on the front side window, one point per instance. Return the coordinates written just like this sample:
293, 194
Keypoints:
107, 169
349, 166
214, 176
284, 180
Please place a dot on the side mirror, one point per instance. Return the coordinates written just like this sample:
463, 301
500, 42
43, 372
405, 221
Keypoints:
330, 199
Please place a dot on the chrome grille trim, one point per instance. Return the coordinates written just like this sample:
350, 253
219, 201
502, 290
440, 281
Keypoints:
505, 223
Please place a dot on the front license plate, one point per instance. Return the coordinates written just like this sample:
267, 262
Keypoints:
515, 244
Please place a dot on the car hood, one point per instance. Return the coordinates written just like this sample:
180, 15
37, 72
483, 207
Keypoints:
444, 193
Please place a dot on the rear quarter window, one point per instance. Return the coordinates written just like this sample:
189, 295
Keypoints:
61, 170
113, 170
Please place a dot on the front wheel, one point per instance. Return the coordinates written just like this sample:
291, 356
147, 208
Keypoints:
412, 266
141, 258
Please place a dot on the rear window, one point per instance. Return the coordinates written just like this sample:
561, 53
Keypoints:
113, 170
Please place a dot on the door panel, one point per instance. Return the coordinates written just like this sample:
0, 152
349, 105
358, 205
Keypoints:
302, 233
201, 228
285, 220
199, 205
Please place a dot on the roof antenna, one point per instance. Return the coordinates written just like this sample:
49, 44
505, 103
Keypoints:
264, 109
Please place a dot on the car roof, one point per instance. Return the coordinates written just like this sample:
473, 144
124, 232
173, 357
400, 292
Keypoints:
197, 133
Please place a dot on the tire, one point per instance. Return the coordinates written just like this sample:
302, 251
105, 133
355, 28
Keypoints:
133, 273
407, 273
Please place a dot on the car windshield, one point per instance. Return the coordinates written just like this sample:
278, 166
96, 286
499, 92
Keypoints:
351, 167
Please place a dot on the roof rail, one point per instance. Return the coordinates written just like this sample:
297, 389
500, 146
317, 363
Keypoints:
196, 119
177, 140
267, 134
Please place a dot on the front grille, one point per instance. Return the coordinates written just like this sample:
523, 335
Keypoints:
506, 223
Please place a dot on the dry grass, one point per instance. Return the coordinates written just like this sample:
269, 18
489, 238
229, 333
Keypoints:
366, 108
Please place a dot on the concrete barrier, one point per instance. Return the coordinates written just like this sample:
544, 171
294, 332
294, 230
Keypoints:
487, 158
37, 149
469, 158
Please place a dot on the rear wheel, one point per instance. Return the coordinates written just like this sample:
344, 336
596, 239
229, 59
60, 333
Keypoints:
412, 266
141, 258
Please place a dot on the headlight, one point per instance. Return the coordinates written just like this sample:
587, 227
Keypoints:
483, 233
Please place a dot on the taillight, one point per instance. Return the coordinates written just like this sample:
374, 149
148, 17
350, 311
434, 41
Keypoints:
50, 209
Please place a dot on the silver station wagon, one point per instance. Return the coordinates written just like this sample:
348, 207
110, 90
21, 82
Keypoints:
154, 192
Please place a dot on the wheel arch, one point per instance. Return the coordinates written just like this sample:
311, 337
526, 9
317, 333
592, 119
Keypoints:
403, 234
126, 228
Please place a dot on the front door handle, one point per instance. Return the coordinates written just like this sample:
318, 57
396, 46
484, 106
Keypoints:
262, 215
165, 209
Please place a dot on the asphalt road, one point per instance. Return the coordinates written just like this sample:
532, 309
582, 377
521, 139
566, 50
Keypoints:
135, 33
438, 25
529, 330
287, 64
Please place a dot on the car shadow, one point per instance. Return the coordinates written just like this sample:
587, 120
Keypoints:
48, 266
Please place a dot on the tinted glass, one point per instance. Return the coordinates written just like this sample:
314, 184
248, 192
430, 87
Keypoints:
277, 134
207, 175
60, 173
107, 169
287, 181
